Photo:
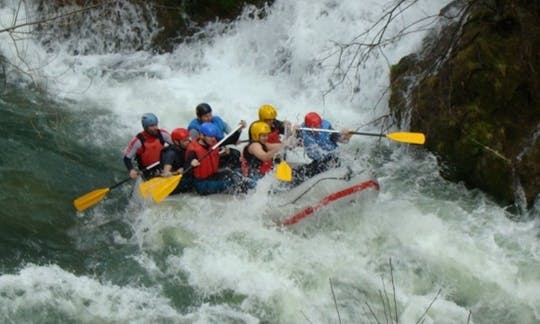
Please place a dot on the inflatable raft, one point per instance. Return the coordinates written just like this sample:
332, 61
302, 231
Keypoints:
287, 206
325, 191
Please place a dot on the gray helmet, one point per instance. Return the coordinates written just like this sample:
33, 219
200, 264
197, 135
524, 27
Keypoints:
149, 119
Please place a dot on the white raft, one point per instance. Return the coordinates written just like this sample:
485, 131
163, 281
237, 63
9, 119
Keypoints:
287, 206
328, 190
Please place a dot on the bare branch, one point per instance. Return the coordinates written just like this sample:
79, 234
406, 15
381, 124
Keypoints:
71, 13
373, 313
393, 288
352, 56
430, 304
383, 302
335, 301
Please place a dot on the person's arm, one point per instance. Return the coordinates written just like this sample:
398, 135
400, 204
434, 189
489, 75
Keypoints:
193, 129
257, 150
344, 136
129, 166
334, 137
129, 153
166, 136
167, 162
280, 126
191, 160
233, 139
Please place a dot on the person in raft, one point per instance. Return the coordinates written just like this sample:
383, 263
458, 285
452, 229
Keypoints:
230, 157
268, 114
205, 163
258, 154
319, 146
173, 159
146, 148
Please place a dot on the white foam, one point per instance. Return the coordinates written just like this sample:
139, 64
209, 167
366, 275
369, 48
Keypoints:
438, 234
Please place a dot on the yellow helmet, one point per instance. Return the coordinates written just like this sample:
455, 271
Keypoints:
267, 112
257, 129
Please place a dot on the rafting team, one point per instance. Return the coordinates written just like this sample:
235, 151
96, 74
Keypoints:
200, 151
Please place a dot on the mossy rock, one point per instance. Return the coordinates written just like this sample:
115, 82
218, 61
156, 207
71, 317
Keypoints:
480, 108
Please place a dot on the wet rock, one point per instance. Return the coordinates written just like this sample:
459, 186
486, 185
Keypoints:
474, 90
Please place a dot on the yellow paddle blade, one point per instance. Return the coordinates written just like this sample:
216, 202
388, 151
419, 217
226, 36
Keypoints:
146, 187
284, 172
406, 137
90, 199
164, 188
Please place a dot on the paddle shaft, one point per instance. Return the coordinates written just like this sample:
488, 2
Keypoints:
337, 131
404, 137
93, 197
283, 170
118, 184
215, 146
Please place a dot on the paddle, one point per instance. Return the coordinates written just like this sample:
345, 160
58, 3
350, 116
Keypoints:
404, 137
283, 170
93, 197
161, 187
146, 186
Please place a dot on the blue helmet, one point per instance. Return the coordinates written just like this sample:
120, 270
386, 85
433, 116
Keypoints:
209, 129
149, 119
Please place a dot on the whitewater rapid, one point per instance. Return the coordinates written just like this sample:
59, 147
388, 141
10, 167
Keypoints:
203, 261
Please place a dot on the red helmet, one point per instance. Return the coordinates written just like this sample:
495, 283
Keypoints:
313, 119
179, 134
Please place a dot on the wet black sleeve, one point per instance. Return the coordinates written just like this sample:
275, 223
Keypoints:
168, 157
190, 157
280, 126
128, 163
232, 139
334, 137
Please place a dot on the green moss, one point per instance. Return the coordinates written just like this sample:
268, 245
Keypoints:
482, 132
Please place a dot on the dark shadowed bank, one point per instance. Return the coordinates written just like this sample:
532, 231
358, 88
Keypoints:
474, 90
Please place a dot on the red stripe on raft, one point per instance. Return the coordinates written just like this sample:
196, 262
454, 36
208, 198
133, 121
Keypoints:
328, 199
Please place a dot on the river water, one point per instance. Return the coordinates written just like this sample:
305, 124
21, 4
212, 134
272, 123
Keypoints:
423, 249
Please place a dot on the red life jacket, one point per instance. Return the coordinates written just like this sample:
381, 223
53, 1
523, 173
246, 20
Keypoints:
150, 151
209, 163
273, 137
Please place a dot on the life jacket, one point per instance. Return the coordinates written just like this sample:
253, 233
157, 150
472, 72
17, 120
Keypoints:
252, 166
273, 137
209, 163
150, 151
278, 128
